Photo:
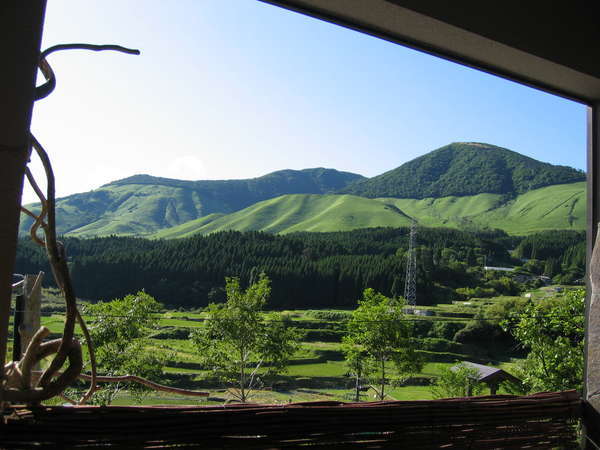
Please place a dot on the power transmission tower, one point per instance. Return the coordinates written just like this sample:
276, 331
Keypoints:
410, 283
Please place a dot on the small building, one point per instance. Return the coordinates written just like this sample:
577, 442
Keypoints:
499, 269
492, 376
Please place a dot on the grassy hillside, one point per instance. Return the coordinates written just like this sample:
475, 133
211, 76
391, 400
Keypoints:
143, 204
465, 168
462, 185
551, 207
290, 213
187, 228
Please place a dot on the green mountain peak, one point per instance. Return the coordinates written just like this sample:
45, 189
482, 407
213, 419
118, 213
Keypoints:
465, 168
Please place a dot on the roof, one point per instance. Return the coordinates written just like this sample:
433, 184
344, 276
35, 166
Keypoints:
550, 46
488, 374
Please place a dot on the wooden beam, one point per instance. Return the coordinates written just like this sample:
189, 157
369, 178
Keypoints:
390, 21
20, 37
592, 319
32, 291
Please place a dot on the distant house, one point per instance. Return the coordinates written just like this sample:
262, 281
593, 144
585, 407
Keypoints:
492, 376
500, 269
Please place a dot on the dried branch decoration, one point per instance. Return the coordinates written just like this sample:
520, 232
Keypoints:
18, 385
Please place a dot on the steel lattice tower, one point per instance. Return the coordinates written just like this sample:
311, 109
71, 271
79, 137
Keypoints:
410, 283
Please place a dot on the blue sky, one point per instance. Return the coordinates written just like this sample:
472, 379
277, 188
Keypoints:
238, 88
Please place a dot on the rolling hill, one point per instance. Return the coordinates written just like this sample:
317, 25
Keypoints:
464, 168
552, 207
299, 212
143, 204
463, 185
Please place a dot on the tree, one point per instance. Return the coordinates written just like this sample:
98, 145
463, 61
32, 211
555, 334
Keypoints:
458, 381
120, 330
553, 332
238, 339
377, 335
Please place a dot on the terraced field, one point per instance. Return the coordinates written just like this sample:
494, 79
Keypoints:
318, 370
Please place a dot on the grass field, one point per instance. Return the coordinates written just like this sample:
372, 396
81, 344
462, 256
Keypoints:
553, 207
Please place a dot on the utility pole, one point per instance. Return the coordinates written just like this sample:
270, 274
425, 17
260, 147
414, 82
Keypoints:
410, 283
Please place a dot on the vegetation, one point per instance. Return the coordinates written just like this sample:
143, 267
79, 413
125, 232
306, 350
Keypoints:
555, 254
298, 212
460, 380
120, 331
464, 185
552, 331
557, 207
465, 168
308, 270
238, 340
553, 207
378, 335
321, 370
143, 204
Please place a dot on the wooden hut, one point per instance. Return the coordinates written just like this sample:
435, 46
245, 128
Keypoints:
492, 376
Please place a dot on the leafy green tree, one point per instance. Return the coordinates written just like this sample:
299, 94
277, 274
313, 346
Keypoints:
238, 339
360, 366
458, 381
120, 330
377, 335
553, 332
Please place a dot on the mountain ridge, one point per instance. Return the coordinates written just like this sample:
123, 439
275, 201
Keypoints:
462, 169
141, 204
458, 177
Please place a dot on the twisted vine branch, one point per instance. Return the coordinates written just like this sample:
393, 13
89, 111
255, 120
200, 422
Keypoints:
17, 385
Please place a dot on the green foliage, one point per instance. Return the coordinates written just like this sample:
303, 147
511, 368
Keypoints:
329, 315
377, 336
439, 345
465, 168
119, 331
189, 272
476, 292
238, 339
553, 333
484, 333
458, 381
445, 330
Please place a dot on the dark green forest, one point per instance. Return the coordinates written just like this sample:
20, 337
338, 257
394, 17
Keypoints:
465, 168
312, 270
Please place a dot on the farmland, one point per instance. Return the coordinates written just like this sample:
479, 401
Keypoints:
318, 370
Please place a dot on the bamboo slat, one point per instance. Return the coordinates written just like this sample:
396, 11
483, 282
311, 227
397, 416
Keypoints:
545, 420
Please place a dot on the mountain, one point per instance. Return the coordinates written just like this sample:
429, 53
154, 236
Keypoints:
143, 204
461, 185
552, 207
462, 169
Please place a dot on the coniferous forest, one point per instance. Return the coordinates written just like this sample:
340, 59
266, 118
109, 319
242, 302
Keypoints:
314, 270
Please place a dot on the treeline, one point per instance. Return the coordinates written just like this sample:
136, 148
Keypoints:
559, 254
308, 270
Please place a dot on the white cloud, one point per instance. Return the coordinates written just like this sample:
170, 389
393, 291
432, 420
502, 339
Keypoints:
185, 167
